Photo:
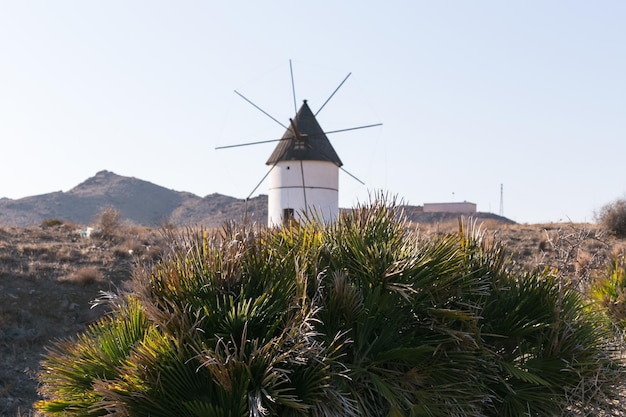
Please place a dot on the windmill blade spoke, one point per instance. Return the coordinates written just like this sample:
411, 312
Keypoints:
331, 96
260, 109
251, 143
353, 176
352, 128
293, 89
289, 138
362, 183
260, 182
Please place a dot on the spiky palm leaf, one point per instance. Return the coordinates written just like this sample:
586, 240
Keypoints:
608, 291
72, 367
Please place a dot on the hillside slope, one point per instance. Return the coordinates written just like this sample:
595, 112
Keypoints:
141, 202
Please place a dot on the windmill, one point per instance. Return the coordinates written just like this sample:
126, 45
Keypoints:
304, 166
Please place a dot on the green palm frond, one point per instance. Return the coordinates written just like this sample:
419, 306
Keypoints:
71, 367
161, 378
400, 303
547, 345
608, 291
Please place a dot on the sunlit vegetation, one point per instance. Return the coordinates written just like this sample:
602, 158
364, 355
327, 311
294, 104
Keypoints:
366, 317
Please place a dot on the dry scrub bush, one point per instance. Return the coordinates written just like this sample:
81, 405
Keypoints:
612, 217
141, 251
141, 233
574, 253
84, 276
51, 222
109, 223
129, 247
139, 242
67, 254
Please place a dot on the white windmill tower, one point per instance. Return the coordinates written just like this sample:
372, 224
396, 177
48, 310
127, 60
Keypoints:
304, 168
305, 173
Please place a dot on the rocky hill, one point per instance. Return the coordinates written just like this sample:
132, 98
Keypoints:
155, 206
146, 204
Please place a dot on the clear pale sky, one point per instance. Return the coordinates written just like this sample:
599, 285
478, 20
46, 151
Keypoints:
471, 94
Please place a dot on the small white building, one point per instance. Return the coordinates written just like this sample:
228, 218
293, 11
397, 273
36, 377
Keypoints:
304, 175
464, 207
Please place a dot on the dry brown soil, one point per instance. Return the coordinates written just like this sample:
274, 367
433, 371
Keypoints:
48, 276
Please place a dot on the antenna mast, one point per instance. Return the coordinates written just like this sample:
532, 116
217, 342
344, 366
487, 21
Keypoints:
501, 199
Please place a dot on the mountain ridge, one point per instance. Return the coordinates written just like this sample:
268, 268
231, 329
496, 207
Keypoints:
147, 204
155, 206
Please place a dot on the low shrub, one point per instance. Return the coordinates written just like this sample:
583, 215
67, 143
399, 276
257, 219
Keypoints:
129, 247
109, 223
613, 217
84, 276
51, 222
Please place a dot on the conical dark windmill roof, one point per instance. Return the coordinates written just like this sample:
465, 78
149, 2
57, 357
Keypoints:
307, 143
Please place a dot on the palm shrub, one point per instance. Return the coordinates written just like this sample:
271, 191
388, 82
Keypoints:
362, 317
73, 367
553, 355
609, 291
451, 326
232, 336
399, 301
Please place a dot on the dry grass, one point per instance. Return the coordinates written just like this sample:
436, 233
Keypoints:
68, 254
129, 247
33, 249
447, 227
84, 276
51, 223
